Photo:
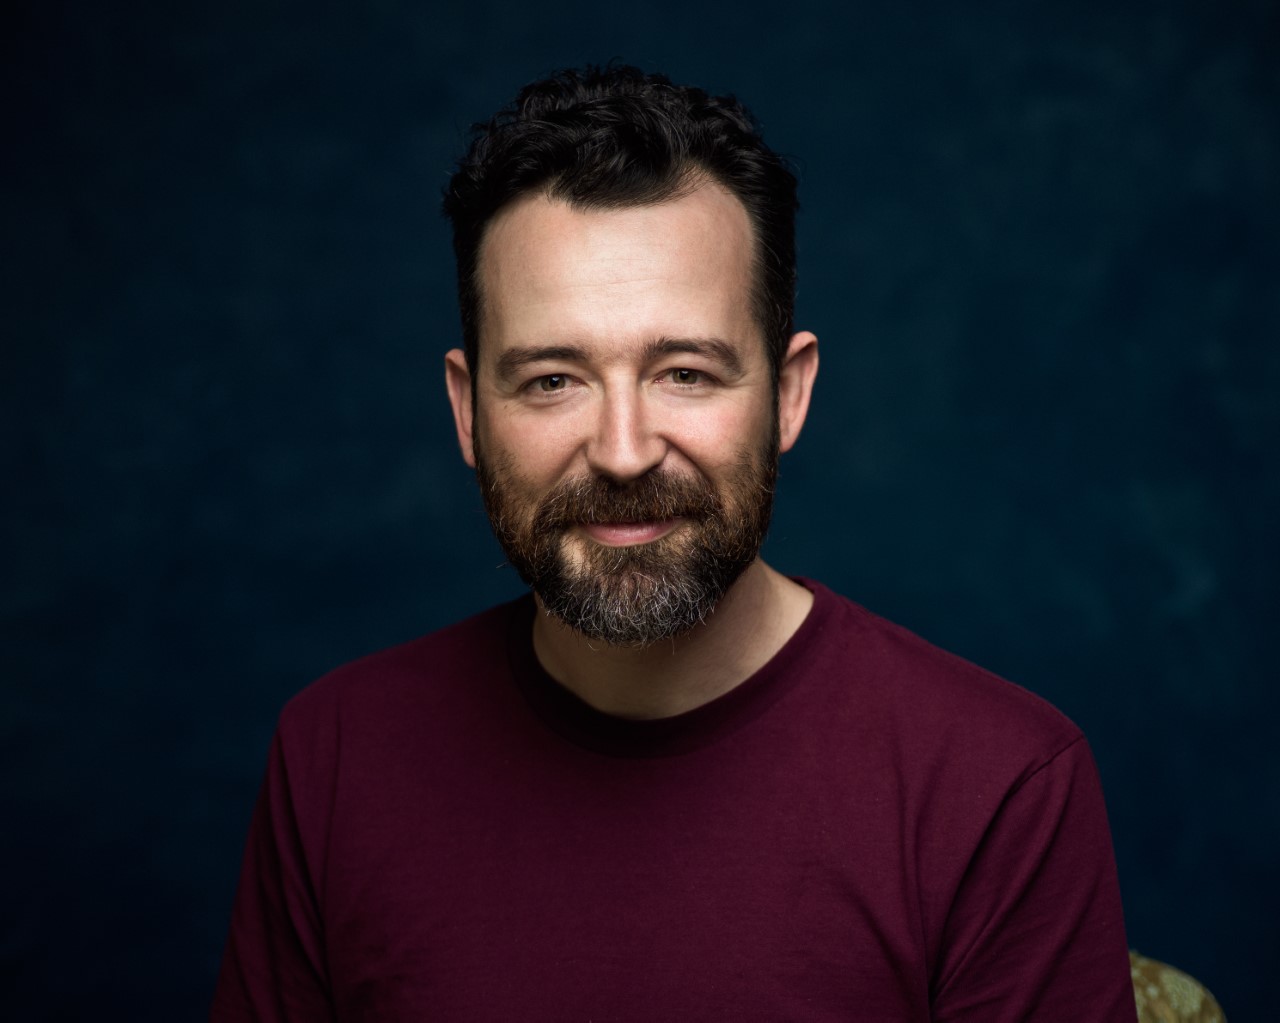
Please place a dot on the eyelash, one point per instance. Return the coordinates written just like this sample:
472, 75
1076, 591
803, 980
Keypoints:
699, 377
540, 381
697, 374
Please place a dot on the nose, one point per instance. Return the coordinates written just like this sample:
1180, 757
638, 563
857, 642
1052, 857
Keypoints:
624, 443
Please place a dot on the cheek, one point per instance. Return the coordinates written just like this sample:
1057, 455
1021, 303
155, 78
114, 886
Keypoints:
535, 452
719, 436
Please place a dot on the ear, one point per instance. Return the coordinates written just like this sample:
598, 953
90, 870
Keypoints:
457, 378
795, 386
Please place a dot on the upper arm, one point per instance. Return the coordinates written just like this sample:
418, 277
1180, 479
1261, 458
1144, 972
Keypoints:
1035, 930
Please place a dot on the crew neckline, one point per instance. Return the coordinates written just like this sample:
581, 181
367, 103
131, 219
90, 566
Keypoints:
571, 717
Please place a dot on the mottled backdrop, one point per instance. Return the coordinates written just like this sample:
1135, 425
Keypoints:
1040, 243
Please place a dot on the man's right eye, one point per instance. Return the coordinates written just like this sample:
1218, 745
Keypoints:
553, 382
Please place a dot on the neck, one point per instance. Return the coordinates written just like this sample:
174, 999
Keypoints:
753, 620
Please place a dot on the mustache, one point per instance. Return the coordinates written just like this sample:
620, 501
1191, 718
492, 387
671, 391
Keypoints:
655, 496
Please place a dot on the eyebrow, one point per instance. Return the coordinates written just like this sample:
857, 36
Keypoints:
708, 347
515, 359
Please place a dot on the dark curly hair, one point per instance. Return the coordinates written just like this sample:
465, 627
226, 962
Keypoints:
610, 137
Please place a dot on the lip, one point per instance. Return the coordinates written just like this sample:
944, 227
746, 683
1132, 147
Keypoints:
627, 534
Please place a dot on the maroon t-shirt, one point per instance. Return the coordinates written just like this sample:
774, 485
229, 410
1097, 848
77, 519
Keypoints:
868, 828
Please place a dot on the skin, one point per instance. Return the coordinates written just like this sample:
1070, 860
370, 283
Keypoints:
615, 342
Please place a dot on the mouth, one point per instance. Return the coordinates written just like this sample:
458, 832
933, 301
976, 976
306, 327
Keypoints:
627, 534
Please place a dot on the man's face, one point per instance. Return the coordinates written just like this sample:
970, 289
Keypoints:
624, 428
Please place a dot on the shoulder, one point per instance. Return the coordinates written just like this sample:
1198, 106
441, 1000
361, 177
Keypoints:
929, 702
368, 738
432, 670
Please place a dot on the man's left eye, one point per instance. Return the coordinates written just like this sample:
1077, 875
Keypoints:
686, 376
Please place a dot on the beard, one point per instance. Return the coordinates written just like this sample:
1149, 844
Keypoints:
635, 595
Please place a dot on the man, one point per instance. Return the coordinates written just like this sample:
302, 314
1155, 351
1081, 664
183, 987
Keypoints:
671, 784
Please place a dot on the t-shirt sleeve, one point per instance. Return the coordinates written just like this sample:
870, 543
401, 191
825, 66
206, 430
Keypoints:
273, 968
1036, 931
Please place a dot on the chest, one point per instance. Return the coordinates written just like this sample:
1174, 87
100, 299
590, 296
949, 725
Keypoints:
606, 891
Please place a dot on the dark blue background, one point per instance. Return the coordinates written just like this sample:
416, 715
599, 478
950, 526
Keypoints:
1041, 245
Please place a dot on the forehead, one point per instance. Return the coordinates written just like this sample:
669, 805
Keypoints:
552, 272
